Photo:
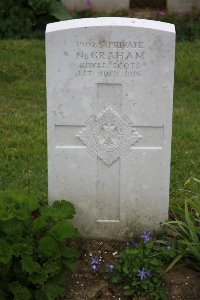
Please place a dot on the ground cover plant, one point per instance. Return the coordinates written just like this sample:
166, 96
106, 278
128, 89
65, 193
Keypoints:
28, 18
141, 267
34, 252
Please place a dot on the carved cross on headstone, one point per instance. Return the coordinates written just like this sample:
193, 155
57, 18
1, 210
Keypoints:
109, 137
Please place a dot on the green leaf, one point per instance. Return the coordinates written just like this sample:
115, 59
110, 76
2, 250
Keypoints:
58, 211
22, 248
48, 247
5, 252
194, 249
19, 291
70, 264
39, 278
55, 287
40, 224
195, 204
65, 209
58, 10
155, 262
129, 292
29, 265
195, 179
52, 267
12, 227
38, 6
63, 230
40, 295
125, 270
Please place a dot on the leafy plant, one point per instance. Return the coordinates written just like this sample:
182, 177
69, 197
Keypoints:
34, 252
141, 266
186, 229
28, 18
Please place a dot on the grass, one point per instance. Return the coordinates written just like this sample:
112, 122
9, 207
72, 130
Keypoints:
23, 155
23, 117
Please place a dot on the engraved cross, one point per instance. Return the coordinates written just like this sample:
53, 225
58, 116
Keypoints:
108, 137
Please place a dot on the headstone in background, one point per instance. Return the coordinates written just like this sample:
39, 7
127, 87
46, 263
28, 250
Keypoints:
109, 97
96, 5
182, 6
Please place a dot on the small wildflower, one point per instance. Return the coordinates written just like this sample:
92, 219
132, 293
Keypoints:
94, 261
146, 236
179, 14
115, 253
94, 267
110, 267
168, 247
161, 13
89, 4
143, 274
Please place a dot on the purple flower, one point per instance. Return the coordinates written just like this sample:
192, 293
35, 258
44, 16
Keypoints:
161, 13
89, 4
146, 236
179, 14
94, 261
143, 274
110, 267
94, 267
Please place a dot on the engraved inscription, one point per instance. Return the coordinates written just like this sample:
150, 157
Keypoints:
108, 136
105, 58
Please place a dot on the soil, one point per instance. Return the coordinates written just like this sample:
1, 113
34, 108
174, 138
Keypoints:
87, 284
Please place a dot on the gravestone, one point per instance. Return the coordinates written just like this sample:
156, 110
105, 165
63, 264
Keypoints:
96, 5
109, 101
182, 6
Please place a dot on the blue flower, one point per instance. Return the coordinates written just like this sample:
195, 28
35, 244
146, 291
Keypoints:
146, 236
168, 247
143, 274
94, 261
110, 267
94, 267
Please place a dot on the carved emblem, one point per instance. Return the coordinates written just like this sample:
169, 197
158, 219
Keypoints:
108, 136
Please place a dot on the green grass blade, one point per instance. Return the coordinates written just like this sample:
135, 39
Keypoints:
174, 262
190, 224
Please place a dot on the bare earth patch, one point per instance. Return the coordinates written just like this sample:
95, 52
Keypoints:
87, 284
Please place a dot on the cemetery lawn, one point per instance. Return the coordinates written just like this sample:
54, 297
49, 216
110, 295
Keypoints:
23, 147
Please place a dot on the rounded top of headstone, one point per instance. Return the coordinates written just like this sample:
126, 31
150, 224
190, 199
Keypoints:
110, 21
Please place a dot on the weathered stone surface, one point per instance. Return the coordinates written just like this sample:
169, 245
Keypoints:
109, 98
96, 5
182, 6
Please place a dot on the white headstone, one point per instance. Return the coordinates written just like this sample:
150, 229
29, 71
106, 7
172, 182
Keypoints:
182, 6
96, 5
109, 97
